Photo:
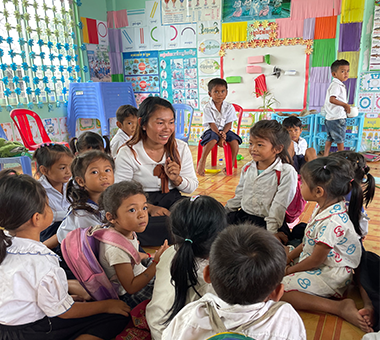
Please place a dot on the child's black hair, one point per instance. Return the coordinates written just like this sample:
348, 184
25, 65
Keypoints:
21, 196
337, 63
216, 81
125, 111
247, 263
47, 154
276, 134
195, 223
90, 141
337, 177
77, 195
292, 122
111, 199
361, 172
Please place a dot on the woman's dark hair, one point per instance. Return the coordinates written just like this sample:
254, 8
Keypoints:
195, 223
276, 134
146, 109
90, 141
337, 178
361, 172
76, 195
112, 198
47, 154
21, 196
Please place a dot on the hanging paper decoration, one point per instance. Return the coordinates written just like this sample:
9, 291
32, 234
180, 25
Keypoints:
85, 69
20, 105
352, 11
349, 36
7, 92
11, 53
52, 68
236, 31
61, 68
9, 108
30, 106
90, 31
64, 90
36, 80
44, 68
308, 28
69, 69
3, 66
58, 104
303, 9
40, 105
324, 52
28, 90
30, 42
288, 28
5, 80
1, 53
60, 57
23, 55
34, 68
13, 66
54, 79
42, 55
353, 59
45, 80
18, 90
21, 41
26, 79
50, 45
9, 40
32, 55
83, 47
40, 42
325, 28
47, 90
15, 80
351, 89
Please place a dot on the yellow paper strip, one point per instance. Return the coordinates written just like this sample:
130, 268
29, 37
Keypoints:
353, 59
352, 11
86, 40
234, 32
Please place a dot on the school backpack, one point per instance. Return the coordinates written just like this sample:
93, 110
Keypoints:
80, 249
297, 206
237, 334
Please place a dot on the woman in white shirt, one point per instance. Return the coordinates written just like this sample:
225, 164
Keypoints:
160, 162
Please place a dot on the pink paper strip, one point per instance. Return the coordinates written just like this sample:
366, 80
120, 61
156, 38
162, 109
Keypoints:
289, 28
110, 22
121, 18
337, 7
303, 9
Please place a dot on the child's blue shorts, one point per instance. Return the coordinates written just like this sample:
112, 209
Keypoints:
336, 130
209, 135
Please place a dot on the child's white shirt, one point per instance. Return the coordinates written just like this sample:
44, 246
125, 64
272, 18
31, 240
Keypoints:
300, 147
260, 195
193, 321
58, 202
336, 89
117, 141
141, 168
164, 292
110, 255
211, 114
78, 219
32, 284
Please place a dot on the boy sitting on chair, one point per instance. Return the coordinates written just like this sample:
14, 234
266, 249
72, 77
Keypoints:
246, 267
218, 116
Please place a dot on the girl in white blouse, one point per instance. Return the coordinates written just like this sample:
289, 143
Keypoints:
160, 162
34, 302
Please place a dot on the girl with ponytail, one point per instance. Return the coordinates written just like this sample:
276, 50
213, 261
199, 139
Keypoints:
195, 222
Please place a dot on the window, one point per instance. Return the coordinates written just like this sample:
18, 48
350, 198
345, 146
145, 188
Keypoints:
38, 52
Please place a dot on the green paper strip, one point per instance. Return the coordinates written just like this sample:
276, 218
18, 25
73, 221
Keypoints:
267, 59
117, 78
233, 80
323, 52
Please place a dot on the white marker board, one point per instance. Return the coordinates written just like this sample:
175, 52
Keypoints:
288, 90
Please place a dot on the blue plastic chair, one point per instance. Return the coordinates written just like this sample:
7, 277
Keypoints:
97, 101
354, 132
24, 161
180, 120
307, 123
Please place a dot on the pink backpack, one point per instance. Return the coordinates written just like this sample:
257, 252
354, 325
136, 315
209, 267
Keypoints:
80, 249
297, 206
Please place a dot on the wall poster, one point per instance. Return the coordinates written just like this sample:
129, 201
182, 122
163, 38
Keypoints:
179, 76
141, 69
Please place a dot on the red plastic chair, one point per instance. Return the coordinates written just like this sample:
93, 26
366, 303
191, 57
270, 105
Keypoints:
226, 147
19, 117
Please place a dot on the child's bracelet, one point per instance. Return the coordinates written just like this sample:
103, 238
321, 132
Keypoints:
291, 261
154, 261
149, 255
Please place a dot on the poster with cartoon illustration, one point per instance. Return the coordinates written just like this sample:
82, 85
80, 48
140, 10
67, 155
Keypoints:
245, 10
208, 38
187, 11
179, 76
99, 63
142, 70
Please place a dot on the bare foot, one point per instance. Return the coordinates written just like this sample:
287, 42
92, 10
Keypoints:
350, 313
224, 170
367, 313
201, 168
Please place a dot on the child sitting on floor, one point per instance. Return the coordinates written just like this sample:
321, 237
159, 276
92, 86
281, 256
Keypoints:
218, 116
298, 149
247, 281
126, 116
126, 208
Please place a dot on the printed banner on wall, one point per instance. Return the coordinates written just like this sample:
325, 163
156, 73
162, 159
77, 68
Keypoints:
237, 10
179, 78
187, 11
141, 69
99, 63
208, 38
365, 103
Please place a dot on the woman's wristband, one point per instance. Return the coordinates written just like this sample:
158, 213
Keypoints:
154, 261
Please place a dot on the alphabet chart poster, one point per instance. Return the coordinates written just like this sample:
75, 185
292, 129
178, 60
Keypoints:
179, 76
141, 69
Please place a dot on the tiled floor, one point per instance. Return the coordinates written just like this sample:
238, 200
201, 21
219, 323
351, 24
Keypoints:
318, 326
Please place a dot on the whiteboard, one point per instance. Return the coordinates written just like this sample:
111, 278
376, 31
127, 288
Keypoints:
288, 90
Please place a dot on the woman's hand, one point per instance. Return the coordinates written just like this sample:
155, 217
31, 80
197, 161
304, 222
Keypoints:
159, 252
172, 170
155, 210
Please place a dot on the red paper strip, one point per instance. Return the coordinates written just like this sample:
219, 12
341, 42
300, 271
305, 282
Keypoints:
92, 28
